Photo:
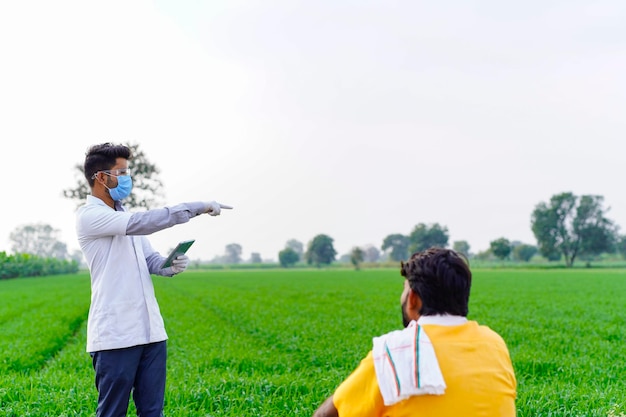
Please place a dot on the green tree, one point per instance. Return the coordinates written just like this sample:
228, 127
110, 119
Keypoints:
233, 253
288, 257
38, 239
321, 251
428, 236
147, 187
597, 233
573, 226
399, 245
461, 246
524, 252
255, 258
356, 257
501, 248
297, 247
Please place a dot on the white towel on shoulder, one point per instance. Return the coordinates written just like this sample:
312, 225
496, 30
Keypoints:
406, 365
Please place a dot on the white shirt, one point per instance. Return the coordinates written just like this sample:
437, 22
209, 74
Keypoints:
124, 311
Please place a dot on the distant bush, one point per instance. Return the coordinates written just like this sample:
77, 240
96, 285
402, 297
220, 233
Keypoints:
27, 265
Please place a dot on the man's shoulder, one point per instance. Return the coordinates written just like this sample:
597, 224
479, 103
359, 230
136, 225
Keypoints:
396, 332
96, 219
488, 332
468, 330
485, 335
91, 209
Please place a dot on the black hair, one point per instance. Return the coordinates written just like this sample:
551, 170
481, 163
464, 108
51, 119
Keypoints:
442, 279
102, 157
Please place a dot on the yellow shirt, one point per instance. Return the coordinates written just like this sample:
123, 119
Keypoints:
476, 367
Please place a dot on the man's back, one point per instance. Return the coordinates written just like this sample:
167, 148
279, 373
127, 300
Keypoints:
476, 367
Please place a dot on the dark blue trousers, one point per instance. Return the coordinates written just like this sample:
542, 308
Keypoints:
138, 369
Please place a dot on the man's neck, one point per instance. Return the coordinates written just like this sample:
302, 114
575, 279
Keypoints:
104, 196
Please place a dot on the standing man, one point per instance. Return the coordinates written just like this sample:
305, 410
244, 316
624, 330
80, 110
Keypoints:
440, 364
126, 337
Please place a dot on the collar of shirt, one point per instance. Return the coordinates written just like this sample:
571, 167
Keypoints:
442, 320
91, 199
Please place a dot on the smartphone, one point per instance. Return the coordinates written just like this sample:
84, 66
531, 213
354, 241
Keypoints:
180, 249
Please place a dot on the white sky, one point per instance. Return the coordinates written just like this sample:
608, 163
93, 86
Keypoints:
357, 119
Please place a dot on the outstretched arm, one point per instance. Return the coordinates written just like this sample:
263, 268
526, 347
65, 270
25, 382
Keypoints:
327, 409
148, 222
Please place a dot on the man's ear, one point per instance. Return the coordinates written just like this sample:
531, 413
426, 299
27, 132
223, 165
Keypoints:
414, 302
99, 178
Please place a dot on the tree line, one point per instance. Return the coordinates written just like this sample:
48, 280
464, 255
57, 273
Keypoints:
567, 227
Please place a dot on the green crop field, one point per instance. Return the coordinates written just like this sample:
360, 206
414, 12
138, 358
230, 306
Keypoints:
277, 343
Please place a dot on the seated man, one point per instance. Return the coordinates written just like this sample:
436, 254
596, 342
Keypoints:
440, 364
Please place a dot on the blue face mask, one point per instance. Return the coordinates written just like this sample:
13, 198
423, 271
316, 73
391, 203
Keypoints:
124, 186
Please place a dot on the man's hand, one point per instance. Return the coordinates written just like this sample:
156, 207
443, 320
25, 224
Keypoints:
180, 264
214, 208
